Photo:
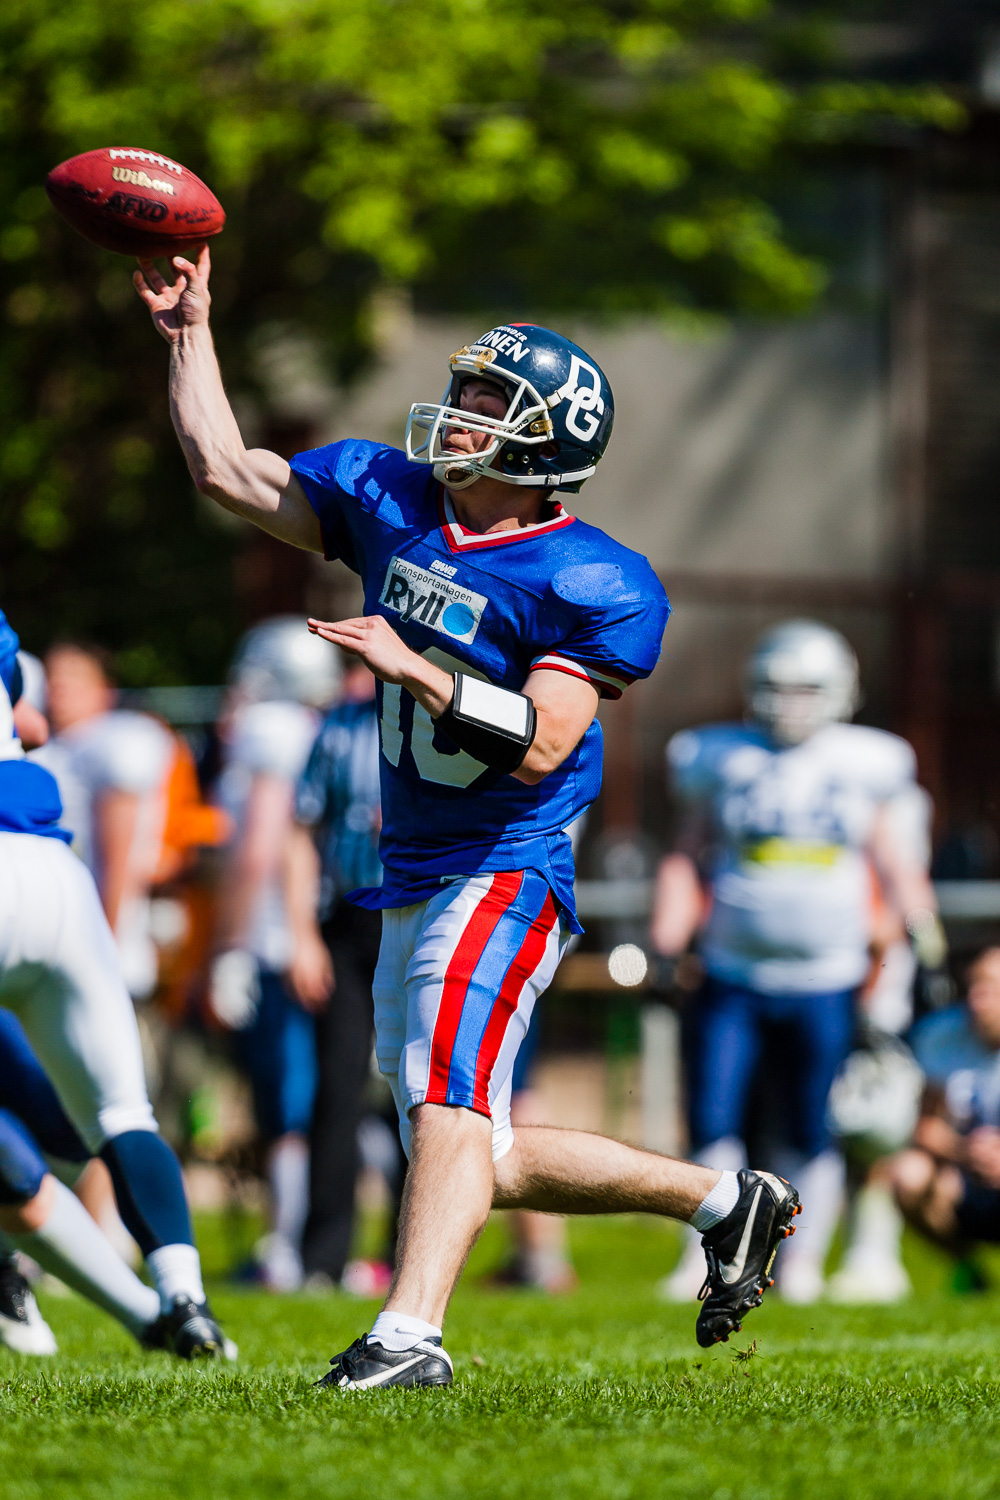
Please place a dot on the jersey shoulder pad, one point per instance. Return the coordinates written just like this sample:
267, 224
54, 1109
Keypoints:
596, 571
611, 609
944, 1042
882, 762
697, 758
272, 739
369, 473
127, 752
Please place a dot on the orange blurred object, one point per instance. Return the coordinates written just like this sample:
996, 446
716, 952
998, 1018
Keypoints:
191, 823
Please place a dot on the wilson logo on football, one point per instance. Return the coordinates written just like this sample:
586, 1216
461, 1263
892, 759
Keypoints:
141, 179
430, 600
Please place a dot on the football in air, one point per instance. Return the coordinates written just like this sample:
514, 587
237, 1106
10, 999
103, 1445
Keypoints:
135, 202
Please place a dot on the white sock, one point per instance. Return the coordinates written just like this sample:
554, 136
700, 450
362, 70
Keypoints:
877, 1226
398, 1331
72, 1247
728, 1154
288, 1174
820, 1182
176, 1270
717, 1204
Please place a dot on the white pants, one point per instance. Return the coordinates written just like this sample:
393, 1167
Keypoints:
60, 974
457, 979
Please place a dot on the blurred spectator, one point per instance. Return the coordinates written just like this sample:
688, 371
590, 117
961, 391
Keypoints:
280, 676
333, 850
948, 1182
783, 817
112, 768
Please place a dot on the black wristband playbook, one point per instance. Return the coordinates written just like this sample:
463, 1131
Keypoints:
492, 723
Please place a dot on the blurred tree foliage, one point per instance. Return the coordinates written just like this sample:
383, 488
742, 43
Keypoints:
603, 155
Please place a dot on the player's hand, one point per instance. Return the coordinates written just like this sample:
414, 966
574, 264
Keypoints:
373, 639
310, 975
184, 303
983, 1156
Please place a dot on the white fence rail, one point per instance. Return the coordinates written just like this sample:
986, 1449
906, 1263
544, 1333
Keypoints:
960, 900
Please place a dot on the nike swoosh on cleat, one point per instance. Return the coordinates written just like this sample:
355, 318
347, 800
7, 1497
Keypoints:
737, 1265
384, 1375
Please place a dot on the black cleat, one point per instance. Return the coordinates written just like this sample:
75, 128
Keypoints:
190, 1331
366, 1365
22, 1327
740, 1251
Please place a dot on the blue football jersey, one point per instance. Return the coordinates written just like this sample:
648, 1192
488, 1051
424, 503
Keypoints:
559, 595
29, 795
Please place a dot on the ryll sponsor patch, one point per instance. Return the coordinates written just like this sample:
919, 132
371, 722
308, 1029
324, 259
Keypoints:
416, 594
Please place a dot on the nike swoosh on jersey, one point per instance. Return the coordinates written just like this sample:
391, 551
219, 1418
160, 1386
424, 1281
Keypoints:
736, 1266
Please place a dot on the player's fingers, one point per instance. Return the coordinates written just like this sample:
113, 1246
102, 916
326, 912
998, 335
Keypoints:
334, 633
150, 298
352, 625
153, 276
188, 272
204, 263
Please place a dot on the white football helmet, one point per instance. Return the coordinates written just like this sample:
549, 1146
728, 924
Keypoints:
800, 676
280, 660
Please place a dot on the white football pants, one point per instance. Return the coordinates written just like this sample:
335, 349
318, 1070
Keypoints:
457, 980
60, 974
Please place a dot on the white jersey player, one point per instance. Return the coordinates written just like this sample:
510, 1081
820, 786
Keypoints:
785, 813
111, 767
280, 676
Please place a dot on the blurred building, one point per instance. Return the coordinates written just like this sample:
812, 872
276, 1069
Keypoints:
841, 466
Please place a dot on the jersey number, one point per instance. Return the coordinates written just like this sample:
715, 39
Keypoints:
432, 765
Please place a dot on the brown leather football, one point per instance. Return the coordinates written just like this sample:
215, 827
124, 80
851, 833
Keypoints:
135, 202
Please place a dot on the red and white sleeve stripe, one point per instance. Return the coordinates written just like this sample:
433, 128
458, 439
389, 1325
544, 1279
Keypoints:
608, 684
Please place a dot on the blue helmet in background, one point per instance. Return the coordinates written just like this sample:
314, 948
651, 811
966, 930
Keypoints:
558, 421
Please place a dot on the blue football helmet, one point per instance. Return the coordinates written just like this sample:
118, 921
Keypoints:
558, 421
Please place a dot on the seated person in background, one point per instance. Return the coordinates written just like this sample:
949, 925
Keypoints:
947, 1183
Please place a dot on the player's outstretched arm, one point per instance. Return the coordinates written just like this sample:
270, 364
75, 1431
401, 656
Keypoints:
253, 483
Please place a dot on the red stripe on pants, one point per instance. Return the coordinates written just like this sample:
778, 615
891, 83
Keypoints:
528, 958
469, 950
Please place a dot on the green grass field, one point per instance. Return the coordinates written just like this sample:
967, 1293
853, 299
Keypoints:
603, 1393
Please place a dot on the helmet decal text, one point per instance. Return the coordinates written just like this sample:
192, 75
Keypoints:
582, 398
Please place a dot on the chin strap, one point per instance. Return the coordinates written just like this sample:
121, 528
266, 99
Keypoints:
457, 476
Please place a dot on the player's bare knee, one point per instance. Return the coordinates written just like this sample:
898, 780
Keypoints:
28, 1217
911, 1174
508, 1177
446, 1122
